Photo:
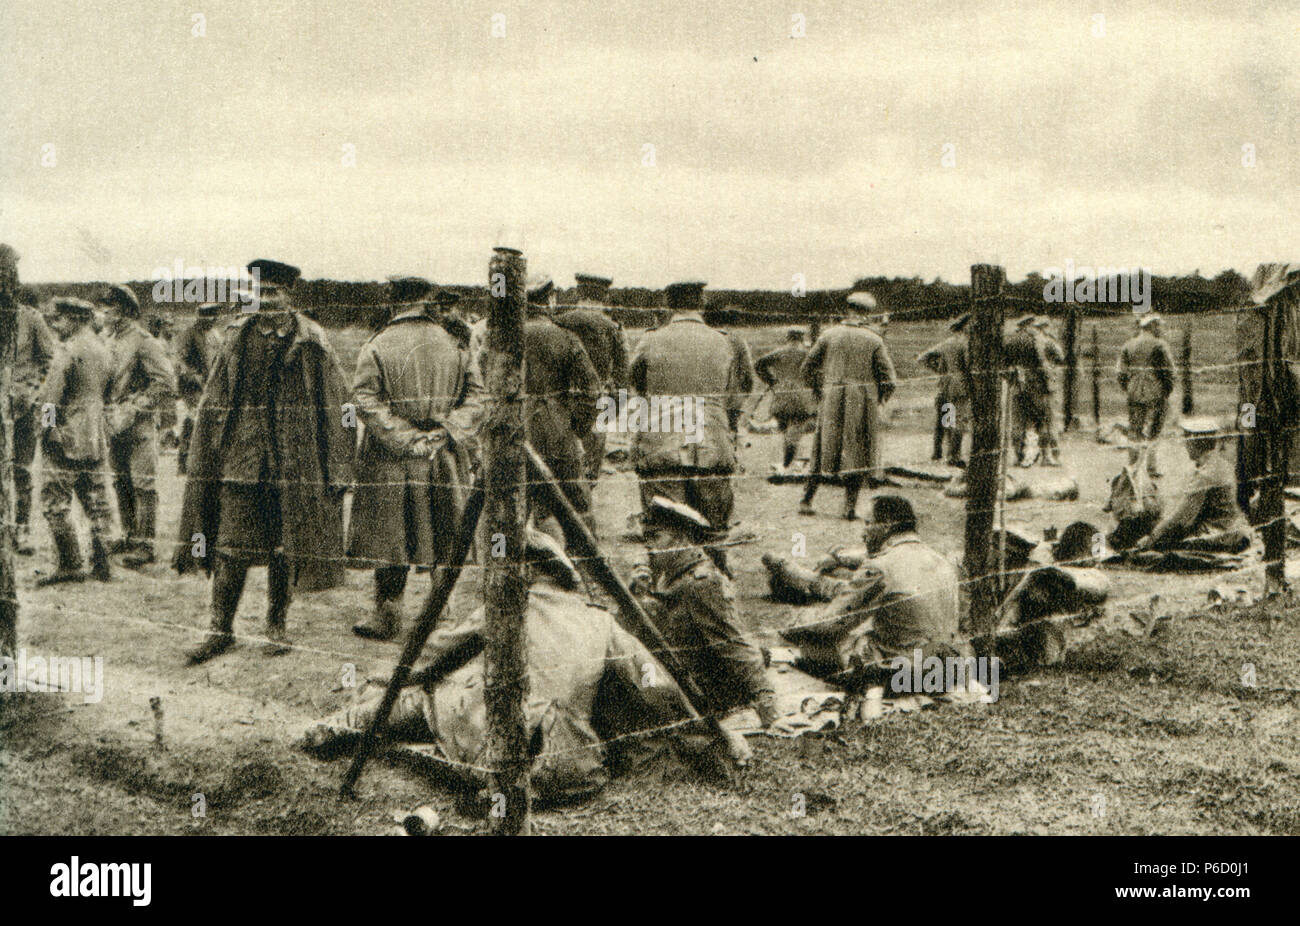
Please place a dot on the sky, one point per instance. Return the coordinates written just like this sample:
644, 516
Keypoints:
750, 144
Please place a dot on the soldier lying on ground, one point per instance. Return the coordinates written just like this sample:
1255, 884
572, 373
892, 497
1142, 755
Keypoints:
589, 682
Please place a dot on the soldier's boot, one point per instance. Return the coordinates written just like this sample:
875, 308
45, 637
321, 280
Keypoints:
1051, 455
100, 570
938, 438
227, 587
386, 621
954, 449
146, 517
69, 553
278, 595
809, 492
765, 707
851, 491
24, 544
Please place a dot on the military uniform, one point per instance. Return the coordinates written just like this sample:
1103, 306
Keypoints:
851, 373
950, 359
418, 391
687, 359
36, 346
606, 347
269, 462
1145, 373
196, 351
143, 382
902, 599
561, 388
1207, 519
1029, 354
75, 447
793, 405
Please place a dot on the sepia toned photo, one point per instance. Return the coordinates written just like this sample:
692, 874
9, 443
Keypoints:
651, 418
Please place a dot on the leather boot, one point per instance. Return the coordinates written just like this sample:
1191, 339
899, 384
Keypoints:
24, 546
146, 515
386, 621
278, 597
69, 553
227, 586
99, 568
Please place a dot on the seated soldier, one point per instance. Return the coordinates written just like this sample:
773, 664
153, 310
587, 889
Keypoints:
694, 604
1207, 519
904, 598
589, 681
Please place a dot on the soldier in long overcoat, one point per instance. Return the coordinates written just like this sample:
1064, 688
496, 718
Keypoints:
419, 394
851, 373
269, 463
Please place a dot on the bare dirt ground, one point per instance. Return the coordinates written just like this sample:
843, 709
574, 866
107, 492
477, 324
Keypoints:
1156, 735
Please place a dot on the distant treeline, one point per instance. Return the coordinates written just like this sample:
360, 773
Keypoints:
338, 304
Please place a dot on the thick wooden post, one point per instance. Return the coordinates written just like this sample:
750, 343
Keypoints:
1096, 380
505, 583
1071, 366
8, 344
986, 362
1275, 397
1185, 363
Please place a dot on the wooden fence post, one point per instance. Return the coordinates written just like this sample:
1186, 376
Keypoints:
8, 532
1071, 365
1185, 363
986, 362
1275, 395
505, 583
1096, 380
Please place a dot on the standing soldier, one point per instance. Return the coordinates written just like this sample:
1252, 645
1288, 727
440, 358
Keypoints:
270, 460
74, 443
687, 361
36, 346
1029, 353
196, 351
606, 347
142, 383
561, 388
950, 359
1146, 374
851, 375
792, 401
418, 391
695, 605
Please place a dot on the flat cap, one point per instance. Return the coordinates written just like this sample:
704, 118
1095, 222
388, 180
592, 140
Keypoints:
540, 547
861, 300
794, 334
275, 272
664, 512
893, 509
409, 288
74, 308
210, 309
687, 294
122, 297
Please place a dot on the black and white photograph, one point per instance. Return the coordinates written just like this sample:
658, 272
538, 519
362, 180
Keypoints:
817, 418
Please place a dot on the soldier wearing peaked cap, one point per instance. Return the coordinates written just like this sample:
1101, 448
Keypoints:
561, 388
851, 374
950, 359
269, 462
792, 401
1145, 371
418, 390
710, 374
75, 446
606, 347
142, 386
695, 604
1030, 354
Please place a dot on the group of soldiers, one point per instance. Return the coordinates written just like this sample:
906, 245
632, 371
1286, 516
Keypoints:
275, 436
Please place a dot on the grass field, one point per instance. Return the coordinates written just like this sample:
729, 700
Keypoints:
1154, 735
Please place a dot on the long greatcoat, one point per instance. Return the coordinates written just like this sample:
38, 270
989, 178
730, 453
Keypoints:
412, 377
850, 371
316, 447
